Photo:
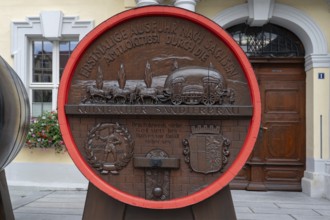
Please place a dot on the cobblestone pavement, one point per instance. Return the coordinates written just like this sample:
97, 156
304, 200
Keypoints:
30, 203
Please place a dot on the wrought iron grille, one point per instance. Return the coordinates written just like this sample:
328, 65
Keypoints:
267, 41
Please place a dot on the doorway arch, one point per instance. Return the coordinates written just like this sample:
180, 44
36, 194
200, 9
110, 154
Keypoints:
278, 158
316, 58
285, 16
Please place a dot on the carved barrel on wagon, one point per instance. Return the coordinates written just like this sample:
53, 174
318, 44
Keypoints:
159, 109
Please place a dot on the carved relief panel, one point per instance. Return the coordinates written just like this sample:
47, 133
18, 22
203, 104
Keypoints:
159, 107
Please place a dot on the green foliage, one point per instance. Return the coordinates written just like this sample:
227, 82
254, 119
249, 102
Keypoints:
45, 132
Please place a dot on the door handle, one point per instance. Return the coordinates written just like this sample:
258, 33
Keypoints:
262, 129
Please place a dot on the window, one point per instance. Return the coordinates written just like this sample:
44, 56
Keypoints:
41, 101
48, 62
267, 41
41, 46
42, 61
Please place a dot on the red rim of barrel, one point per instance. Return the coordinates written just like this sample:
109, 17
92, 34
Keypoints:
92, 176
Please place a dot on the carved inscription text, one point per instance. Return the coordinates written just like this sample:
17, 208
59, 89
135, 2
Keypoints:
162, 32
155, 133
159, 110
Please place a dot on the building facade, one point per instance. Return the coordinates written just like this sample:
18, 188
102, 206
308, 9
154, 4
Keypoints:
287, 42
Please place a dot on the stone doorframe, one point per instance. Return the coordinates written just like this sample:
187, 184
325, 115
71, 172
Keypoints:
317, 60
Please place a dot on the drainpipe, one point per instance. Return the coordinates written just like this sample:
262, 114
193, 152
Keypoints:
186, 4
140, 3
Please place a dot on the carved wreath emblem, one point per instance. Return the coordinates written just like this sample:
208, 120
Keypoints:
109, 148
206, 150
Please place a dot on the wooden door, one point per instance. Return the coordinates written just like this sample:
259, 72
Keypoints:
278, 159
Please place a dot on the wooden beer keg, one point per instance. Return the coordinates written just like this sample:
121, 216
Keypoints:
14, 114
14, 125
159, 107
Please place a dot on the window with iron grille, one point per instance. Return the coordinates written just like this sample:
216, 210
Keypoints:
267, 41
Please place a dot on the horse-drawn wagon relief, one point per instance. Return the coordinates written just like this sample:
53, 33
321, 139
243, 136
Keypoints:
190, 85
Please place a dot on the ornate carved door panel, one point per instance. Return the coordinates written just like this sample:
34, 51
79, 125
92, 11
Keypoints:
278, 159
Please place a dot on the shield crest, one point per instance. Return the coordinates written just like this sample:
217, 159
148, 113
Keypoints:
206, 152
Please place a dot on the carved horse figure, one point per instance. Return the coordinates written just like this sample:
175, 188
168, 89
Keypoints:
95, 95
144, 94
120, 96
